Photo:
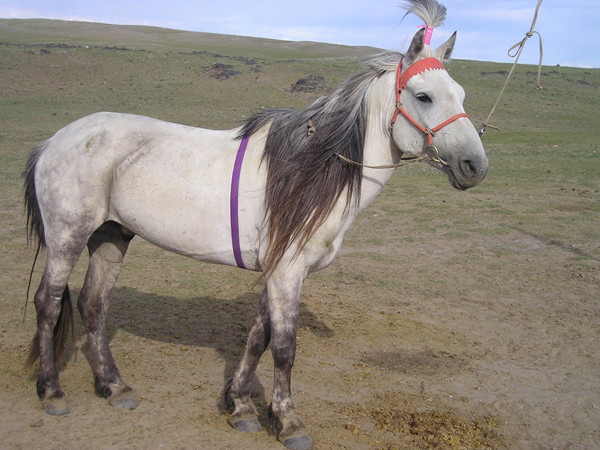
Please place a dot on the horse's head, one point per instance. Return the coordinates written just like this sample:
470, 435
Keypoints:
430, 119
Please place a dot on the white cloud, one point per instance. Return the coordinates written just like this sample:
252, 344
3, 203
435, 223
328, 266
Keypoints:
17, 13
303, 34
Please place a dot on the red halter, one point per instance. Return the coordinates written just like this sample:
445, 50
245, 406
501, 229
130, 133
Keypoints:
401, 80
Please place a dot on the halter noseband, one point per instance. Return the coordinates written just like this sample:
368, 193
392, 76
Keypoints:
430, 152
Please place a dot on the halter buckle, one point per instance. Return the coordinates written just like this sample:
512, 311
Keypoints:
433, 154
396, 112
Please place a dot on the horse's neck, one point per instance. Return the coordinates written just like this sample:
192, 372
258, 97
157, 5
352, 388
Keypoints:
380, 149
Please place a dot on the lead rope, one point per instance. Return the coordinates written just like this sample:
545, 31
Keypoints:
519, 49
405, 161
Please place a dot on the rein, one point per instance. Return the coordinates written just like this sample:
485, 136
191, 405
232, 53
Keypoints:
430, 152
434, 156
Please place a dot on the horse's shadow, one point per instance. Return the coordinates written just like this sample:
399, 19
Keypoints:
210, 322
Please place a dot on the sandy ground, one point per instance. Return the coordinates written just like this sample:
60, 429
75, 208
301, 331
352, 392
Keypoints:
453, 356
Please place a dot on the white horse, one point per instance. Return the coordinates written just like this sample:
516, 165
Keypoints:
279, 203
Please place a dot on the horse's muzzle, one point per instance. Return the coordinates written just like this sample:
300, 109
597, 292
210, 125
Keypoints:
468, 172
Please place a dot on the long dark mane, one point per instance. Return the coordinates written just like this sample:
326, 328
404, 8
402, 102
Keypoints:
305, 178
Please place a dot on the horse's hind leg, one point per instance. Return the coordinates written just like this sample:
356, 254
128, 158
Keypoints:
107, 247
237, 391
55, 322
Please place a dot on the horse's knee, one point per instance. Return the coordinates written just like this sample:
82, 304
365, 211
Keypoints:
283, 351
258, 340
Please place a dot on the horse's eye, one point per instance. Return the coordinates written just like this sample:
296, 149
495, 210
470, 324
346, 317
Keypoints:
423, 98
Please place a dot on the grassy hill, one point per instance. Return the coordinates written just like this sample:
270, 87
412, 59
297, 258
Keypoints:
36, 31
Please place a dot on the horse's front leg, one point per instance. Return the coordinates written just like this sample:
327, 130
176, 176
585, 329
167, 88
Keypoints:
237, 391
284, 300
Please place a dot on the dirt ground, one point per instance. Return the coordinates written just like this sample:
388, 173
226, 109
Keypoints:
474, 359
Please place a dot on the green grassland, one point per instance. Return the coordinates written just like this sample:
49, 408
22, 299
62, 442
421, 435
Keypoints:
544, 160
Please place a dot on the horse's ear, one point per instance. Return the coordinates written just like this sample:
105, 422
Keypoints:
416, 46
445, 50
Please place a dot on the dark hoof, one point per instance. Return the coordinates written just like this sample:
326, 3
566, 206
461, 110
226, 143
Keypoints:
243, 418
124, 400
294, 435
247, 426
56, 406
303, 442
125, 403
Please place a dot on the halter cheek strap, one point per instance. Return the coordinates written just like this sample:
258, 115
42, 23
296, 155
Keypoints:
417, 68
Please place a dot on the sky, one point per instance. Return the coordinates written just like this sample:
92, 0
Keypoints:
486, 28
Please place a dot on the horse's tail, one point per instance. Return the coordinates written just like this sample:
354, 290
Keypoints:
35, 225
35, 232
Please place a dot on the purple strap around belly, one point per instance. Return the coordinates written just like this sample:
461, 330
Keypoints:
233, 204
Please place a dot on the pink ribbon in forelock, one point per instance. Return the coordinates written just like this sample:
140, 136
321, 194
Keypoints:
428, 33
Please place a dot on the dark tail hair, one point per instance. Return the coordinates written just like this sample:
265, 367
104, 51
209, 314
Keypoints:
35, 225
35, 232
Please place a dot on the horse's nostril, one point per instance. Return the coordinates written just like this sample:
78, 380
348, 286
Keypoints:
468, 168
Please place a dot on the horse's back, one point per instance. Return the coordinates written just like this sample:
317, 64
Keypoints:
108, 136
